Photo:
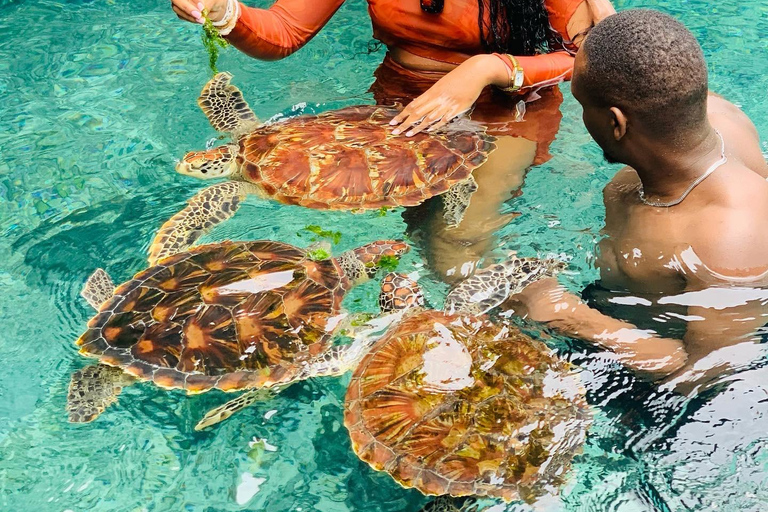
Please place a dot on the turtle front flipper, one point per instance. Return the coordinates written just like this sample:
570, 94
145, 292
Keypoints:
491, 286
456, 201
93, 389
98, 288
225, 107
209, 207
250, 397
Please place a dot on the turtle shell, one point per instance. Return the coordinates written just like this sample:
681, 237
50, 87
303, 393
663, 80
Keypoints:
457, 405
226, 315
349, 158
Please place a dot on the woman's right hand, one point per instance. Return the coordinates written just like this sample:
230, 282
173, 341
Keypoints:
192, 10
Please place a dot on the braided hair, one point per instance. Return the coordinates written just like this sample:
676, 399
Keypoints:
519, 27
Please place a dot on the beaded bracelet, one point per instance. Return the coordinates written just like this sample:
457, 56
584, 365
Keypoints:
227, 23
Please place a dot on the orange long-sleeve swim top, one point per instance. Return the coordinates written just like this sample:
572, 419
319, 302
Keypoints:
451, 37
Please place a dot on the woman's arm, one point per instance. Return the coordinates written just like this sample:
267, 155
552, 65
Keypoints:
457, 91
267, 34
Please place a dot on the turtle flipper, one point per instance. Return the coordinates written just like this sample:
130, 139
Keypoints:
480, 293
93, 389
445, 503
225, 107
98, 288
250, 397
399, 292
523, 271
209, 207
456, 201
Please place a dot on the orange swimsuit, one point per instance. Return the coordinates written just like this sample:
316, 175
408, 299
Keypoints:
451, 36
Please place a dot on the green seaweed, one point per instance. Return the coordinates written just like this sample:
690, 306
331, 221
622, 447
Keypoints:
212, 40
319, 254
333, 236
382, 212
389, 263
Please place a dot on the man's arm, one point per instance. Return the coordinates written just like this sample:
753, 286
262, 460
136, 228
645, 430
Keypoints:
641, 350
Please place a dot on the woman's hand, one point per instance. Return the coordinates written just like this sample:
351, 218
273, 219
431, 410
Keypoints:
452, 95
192, 10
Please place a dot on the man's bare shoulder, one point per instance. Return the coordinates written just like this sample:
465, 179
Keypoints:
730, 234
623, 182
740, 134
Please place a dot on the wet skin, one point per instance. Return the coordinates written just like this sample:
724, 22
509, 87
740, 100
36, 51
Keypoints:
716, 238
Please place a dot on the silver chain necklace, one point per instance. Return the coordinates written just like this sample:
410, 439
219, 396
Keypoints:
712, 168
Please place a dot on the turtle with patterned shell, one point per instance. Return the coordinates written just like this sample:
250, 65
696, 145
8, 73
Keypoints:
229, 316
454, 404
340, 160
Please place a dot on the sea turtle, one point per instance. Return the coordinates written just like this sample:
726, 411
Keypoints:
454, 404
342, 159
230, 315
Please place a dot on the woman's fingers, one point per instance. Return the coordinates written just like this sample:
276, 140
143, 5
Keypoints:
412, 108
429, 120
188, 10
440, 123
183, 14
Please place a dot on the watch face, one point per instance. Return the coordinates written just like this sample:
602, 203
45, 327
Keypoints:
432, 6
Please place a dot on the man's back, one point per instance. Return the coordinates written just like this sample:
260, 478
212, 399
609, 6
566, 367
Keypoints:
718, 232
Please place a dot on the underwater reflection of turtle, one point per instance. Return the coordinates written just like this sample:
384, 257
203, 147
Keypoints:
454, 404
342, 159
229, 316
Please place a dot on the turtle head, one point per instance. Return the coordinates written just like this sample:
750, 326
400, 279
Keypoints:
217, 162
399, 292
362, 263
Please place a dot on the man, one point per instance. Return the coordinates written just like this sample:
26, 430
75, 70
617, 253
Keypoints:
686, 220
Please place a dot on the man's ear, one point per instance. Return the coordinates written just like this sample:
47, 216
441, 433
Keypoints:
618, 123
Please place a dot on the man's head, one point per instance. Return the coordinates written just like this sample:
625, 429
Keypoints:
640, 75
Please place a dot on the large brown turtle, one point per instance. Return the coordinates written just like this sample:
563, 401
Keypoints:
342, 159
454, 404
230, 316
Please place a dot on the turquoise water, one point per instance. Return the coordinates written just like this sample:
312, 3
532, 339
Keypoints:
97, 99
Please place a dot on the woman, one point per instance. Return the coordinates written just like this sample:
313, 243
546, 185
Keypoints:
445, 54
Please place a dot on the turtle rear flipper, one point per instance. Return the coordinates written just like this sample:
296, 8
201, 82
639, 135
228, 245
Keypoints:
98, 288
445, 503
93, 389
456, 201
222, 412
225, 107
209, 207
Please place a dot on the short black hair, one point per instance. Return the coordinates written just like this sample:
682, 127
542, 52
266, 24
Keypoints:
649, 65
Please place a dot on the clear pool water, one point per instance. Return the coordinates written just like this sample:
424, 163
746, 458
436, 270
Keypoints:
97, 99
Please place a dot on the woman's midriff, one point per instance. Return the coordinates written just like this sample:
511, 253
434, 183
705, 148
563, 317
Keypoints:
417, 63
537, 120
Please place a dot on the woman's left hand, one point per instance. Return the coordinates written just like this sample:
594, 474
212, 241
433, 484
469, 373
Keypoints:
451, 96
